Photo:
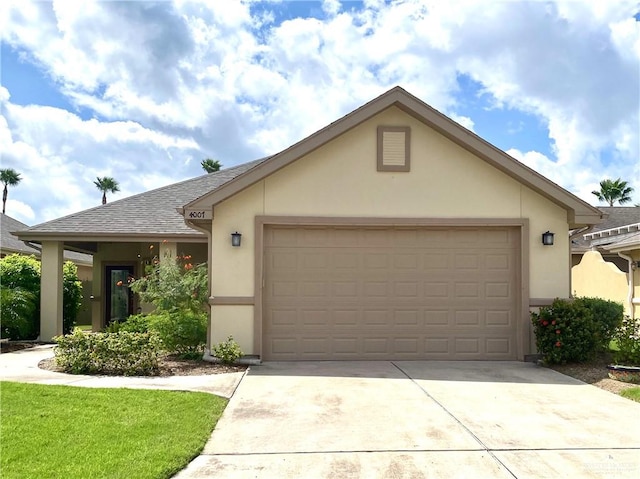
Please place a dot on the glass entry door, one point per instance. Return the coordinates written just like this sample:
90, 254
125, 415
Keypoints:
119, 297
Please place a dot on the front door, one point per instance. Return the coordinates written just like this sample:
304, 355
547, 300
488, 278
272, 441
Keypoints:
119, 304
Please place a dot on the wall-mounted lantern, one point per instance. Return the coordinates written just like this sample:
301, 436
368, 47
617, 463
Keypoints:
547, 238
236, 239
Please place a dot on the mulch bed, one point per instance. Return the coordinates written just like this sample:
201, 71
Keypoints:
170, 365
11, 346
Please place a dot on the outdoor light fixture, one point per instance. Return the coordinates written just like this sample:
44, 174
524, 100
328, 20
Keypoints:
236, 238
547, 238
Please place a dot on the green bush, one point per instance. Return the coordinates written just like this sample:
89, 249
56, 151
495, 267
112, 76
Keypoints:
122, 353
227, 352
566, 332
137, 323
17, 306
71, 296
180, 332
627, 336
174, 284
23, 273
607, 316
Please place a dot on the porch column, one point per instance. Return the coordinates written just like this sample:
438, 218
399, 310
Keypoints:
51, 290
168, 250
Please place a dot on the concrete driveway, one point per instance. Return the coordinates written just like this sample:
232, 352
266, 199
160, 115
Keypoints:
420, 420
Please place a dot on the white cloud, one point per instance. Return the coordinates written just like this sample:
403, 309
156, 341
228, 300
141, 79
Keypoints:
170, 83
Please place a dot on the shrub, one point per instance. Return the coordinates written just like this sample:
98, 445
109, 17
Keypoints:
227, 351
71, 296
23, 273
181, 332
627, 336
17, 306
174, 284
607, 316
137, 323
566, 331
122, 353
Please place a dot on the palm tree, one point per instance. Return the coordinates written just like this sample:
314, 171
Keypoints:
210, 165
9, 177
106, 184
612, 191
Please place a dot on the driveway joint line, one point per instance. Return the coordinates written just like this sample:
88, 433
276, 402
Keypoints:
357, 451
408, 451
246, 371
477, 439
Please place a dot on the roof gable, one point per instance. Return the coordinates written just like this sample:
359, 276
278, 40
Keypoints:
578, 211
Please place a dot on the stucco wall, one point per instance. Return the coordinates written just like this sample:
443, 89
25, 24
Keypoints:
341, 179
595, 277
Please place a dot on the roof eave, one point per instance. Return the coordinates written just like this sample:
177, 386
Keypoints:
111, 237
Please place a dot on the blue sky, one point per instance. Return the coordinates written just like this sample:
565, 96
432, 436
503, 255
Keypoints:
144, 91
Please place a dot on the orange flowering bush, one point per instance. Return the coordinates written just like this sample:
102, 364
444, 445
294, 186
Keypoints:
174, 284
179, 291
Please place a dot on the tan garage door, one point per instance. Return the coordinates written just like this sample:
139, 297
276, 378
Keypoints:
348, 293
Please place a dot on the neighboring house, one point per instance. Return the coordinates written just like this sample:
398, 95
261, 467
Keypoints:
392, 233
10, 244
606, 259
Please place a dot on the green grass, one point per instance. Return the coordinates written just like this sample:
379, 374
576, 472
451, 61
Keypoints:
73, 432
631, 393
84, 327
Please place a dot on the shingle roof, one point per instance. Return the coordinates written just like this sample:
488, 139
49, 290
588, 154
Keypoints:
11, 244
629, 242
617, 216
152, 213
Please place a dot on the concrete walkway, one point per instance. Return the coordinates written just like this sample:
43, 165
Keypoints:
22, 366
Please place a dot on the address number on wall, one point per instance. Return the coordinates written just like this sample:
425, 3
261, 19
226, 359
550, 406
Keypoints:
198, 215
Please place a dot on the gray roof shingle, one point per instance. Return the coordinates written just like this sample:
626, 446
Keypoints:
10, 243
617, 216
151, 213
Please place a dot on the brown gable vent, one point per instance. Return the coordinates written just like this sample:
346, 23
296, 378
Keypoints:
394, 148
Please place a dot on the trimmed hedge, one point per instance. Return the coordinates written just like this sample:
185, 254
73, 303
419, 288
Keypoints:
122, 353
575, 330
607, 315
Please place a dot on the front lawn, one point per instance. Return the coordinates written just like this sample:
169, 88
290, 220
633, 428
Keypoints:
73, 432
632, 393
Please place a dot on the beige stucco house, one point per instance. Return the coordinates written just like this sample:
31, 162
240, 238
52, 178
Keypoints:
606, 259
392, 233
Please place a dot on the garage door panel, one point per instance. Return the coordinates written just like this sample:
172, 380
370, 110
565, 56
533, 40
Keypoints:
499, 318
466, 346
410, 293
